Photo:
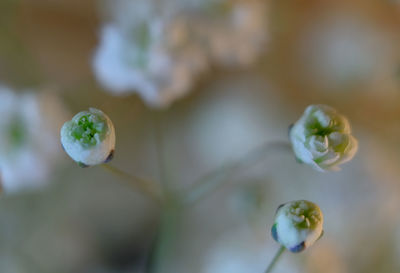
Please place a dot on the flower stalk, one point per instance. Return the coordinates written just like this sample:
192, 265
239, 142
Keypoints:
143, 185
275, 259
216, 178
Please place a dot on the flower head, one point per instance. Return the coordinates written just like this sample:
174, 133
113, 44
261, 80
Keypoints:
89, 138
298, 224
322, 138
143, 64
29, 147
159, 50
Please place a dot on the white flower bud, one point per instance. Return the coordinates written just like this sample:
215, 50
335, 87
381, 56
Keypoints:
89, 138
322, 138
298, 224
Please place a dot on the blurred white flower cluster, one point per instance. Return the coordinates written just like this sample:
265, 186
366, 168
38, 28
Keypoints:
29, 143
158, 49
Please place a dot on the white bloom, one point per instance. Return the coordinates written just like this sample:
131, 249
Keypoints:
322, 138
232, 31
89, 138
159, 49
29, 145
139, 60
298, 224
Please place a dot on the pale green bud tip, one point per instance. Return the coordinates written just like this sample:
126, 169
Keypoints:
322, 138
89, 138
298, 224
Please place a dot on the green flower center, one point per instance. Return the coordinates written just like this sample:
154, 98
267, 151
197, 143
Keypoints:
304, 215
142, 35
89, 129
324, 124
141, 38
17, 133
317, 129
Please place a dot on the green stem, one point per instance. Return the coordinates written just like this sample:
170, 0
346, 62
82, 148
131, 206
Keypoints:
275, 259
141, 184
166, 238
160, 151
213, 180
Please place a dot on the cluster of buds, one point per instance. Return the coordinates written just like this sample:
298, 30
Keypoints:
321, 138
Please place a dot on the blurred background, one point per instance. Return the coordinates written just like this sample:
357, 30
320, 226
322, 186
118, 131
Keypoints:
191, 85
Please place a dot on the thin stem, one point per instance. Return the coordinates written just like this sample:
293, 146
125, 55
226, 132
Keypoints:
213, 180
160, 150
141, 184
166, 238
275, 259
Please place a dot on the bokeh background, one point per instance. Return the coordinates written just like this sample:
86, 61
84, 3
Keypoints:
341, 53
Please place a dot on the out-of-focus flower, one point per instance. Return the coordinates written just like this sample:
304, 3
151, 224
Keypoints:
234, 31
139, 62
322, 138
298, 224
158, 50
138, 53
29, 145
89, 138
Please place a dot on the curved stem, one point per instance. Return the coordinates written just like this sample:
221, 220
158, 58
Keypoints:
275, 259
211, 181
141, 184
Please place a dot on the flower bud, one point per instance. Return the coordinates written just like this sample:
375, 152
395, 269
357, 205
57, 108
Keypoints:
322, 138
89, 138
298, 224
